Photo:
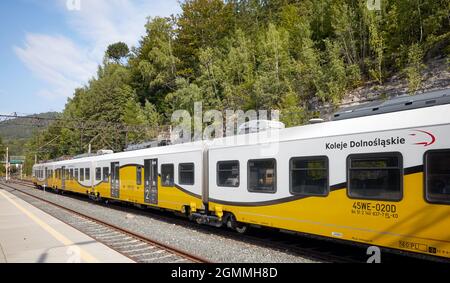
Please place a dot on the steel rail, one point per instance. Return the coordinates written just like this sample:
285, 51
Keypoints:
142, 238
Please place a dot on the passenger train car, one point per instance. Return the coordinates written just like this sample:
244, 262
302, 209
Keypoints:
380, 180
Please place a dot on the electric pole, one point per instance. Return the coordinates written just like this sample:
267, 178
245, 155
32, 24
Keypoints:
7, 164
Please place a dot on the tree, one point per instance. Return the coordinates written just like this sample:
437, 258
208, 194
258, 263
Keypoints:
292, 113
2, 148
377, 46
202, 24
342, 21
289, 55
275, 68
117, 51
185, 96
414, 68
151, 114
154, 66
133, 115
238, 70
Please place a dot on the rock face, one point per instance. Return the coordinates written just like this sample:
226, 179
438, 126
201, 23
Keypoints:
435, 76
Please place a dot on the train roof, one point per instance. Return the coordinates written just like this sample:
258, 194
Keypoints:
400, 103
172, 149
415, 118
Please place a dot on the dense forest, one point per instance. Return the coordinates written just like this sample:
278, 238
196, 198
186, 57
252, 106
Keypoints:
16, 132
248, 54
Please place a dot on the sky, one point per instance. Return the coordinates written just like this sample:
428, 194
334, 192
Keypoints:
48, 48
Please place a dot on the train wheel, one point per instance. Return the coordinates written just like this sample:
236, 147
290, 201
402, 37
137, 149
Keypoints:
241, 228
233, 224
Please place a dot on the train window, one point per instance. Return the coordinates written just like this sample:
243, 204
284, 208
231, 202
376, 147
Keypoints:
228, 174
82, 174
262, 176
139, 175
76, 174
167, 175
186, 174
71, 174
375, 176
98, 174
87, 173
106, 174
437, 176
309, 176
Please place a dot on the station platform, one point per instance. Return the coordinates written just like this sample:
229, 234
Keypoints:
29, 235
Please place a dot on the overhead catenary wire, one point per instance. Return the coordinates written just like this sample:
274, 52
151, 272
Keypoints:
75, 123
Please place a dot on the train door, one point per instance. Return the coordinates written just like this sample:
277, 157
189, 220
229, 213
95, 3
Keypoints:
151, 181
62, 173
115, 180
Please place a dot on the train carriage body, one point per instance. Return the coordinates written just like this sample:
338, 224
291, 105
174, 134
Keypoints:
380, 180
155, 177
360, 180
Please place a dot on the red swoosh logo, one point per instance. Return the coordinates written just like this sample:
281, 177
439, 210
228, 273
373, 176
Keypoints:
433, 138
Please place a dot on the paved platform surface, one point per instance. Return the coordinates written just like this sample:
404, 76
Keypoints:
29, 235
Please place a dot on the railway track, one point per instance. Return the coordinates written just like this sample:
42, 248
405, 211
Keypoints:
316, 249
137, 247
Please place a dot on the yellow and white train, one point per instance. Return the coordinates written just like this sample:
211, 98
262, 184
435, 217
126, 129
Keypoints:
377, 179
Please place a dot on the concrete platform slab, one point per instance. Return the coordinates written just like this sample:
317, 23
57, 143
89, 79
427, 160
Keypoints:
29, 235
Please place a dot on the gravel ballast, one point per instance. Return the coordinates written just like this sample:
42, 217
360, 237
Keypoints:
181, 234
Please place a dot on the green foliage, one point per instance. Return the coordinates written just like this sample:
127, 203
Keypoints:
185, 96
2, 148
117, 51
376, 42
415, 66
273, 79
154, 65
202, 24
